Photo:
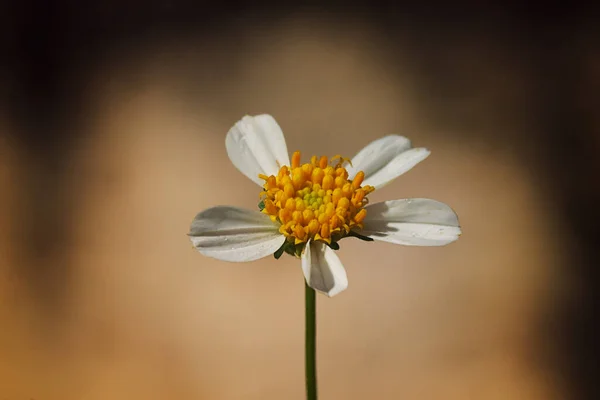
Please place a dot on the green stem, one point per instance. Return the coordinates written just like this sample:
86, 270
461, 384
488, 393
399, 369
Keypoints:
311, 341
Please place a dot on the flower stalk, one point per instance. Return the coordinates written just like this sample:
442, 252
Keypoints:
310, 342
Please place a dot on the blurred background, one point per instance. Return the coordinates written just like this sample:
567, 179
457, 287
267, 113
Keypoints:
113, 117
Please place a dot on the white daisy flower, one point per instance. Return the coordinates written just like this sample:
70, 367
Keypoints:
306, 209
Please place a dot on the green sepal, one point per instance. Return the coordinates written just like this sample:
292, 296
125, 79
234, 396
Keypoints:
290, 249
333, 245
298, 249
359, 236
280, 251
261, 205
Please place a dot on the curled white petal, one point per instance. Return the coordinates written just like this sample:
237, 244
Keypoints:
323, 270
396, 167
414, 222
234, 234
385, 159
377, 154
256, 145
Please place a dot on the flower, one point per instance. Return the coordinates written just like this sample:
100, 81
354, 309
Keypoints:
306, 209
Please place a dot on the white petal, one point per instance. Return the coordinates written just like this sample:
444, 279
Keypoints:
377, 154
234, 234
323, 269
396, 167
385, 159
415, 222
255, 145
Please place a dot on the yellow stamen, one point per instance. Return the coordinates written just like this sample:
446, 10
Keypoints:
289, 190
317, 175
358, 179
315, 200
270, 207
296, 159
360, 216
323, 162
325, 230
313, 226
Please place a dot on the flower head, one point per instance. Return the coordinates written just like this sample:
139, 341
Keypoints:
306, 209
314, 201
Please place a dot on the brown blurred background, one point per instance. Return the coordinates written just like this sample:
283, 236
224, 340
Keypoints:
112, 125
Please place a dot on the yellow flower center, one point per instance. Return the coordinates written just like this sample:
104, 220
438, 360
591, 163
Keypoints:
315, 200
